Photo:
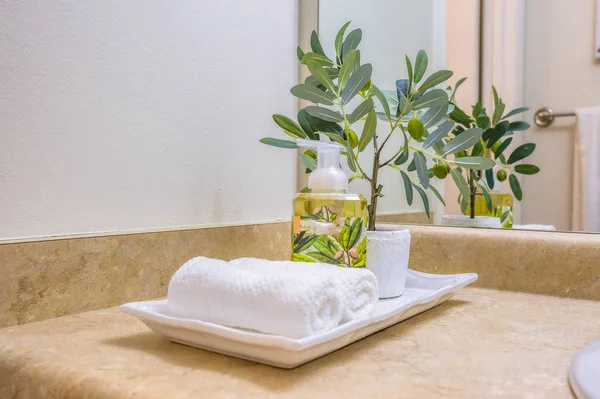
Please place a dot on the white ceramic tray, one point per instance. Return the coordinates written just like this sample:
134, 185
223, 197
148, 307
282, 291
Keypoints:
423, 291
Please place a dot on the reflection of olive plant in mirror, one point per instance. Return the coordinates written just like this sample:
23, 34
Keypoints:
491, 145
416, 110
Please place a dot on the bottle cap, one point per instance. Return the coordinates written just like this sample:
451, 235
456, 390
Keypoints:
328, 176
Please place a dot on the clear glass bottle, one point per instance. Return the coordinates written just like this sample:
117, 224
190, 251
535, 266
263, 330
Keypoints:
502, 207
329, 225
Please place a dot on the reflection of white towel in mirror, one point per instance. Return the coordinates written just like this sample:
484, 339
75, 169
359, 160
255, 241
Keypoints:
597, 30
586, 171
544, 227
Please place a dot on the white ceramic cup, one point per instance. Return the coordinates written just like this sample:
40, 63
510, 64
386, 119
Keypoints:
387, 257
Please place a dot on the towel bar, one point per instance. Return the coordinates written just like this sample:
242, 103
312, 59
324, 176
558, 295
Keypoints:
544, 116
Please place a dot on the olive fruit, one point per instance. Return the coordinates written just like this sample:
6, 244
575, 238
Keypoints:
501, 175
416, 129
440, 171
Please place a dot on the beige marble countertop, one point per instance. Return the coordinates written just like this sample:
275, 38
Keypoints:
482, 343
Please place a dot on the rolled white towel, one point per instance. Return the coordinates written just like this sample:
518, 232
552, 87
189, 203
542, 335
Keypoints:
276, 303
358, 286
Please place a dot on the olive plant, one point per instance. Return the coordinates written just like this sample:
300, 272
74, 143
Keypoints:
416, 110
496, 138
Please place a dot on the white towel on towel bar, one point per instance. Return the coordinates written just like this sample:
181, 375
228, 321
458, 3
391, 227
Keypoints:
277, 302
586, 171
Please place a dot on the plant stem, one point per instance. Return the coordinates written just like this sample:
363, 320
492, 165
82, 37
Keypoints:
472, 191
376, 166
374, 195
392, 158
373, 180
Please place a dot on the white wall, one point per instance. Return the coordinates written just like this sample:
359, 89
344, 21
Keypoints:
560, 72
391, 29
127, 115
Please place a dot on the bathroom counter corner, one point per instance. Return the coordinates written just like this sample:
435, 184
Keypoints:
481, 343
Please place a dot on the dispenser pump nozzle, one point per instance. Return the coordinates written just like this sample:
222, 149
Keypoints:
328, 176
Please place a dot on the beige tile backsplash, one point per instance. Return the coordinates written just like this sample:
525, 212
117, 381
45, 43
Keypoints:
45, 279
537, 262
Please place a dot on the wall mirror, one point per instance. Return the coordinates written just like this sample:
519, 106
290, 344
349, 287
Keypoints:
515, 54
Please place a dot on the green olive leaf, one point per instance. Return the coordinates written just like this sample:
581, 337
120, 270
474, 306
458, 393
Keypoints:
435, 79
409, 70
521, 152
433, 98
347, 68
526, 169
486, 196
315, 44
361, 110
320, 74
368, 131
408, 189
421, 166
437, 194
424, 198
475, 163
317, 59
278, 142
382, 99
287, 124
460, 182
515, 187
434, 115
351, 42
313, 94
502, 147
420, 66
308, 161
325, 114
489, 178
357, 80
463, 141
339, 39
515, 112
438, 134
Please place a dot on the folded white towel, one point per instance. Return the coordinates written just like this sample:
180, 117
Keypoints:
276, 303
357, 286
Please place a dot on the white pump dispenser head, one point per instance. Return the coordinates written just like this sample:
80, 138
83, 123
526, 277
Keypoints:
328, 176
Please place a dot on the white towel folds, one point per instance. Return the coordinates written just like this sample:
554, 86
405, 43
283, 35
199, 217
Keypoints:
282, 298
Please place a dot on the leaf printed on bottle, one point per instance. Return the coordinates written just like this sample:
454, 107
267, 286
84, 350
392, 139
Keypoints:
326, 237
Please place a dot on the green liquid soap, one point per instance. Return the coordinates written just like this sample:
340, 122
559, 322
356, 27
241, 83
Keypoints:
330, 228
329, 225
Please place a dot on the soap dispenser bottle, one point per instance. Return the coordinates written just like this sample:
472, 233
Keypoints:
501, 201
329, 225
